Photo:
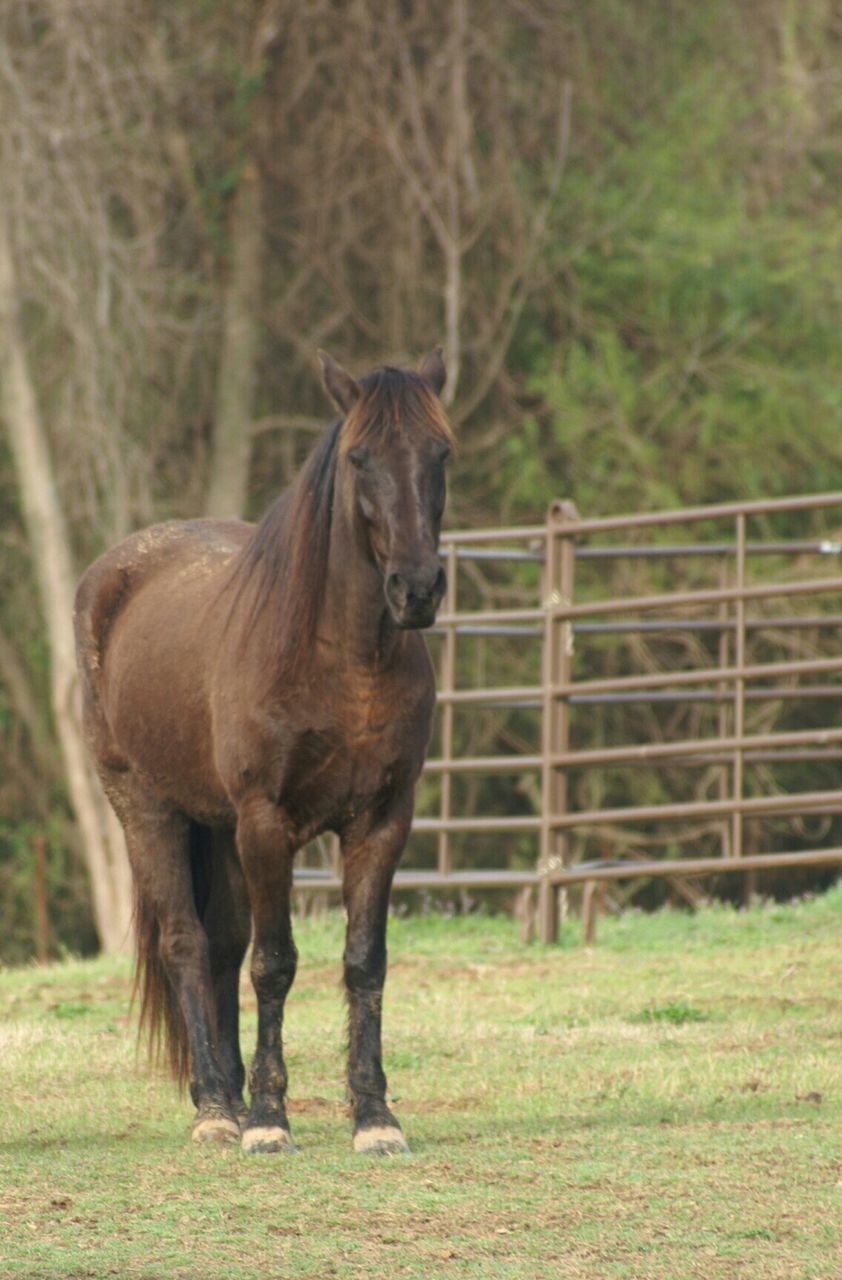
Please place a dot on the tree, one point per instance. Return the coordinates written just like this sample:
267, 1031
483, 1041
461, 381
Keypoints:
48, 535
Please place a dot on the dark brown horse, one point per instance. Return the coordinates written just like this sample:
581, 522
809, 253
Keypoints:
246, 688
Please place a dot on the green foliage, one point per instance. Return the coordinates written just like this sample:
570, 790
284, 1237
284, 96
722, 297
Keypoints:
690, 353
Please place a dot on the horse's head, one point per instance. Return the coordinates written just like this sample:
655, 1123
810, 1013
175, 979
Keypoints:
393, 446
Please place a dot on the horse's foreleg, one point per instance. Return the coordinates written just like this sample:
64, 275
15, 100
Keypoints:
266, 852
369, 865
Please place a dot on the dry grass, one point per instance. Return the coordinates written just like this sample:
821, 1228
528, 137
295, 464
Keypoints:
664, 1106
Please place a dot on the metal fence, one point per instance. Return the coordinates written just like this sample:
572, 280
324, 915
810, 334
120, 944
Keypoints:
612, 595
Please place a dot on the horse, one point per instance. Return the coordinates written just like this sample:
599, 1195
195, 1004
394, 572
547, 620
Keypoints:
246, 688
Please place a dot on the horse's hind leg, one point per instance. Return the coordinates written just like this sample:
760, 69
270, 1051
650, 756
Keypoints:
173, 953
227, 922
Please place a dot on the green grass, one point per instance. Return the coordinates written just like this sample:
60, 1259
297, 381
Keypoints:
665, 1105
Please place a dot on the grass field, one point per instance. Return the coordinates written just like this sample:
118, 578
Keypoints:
664, 1105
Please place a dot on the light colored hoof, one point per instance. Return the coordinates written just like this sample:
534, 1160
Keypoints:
215, 1129
264, 1139
386, 1140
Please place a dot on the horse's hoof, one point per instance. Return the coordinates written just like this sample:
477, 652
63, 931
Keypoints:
215, 1129
385, 1140
264, 1139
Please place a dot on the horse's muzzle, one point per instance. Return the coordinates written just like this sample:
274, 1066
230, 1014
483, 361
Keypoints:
414, 596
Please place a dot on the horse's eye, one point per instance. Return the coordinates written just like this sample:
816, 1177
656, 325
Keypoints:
443, 453
358, 457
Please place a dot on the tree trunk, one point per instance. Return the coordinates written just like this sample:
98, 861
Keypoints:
242, 307
49, 544
232, 438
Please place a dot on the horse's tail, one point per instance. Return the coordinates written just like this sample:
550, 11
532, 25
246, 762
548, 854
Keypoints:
161, 1018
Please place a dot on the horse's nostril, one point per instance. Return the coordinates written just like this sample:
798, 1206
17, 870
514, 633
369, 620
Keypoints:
417, 591
397, 588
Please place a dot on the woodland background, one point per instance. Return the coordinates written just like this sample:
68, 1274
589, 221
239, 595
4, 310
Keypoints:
620, 218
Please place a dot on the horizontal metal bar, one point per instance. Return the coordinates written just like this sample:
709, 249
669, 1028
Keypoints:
712, 675
644, 625
485, 764
490, 617
798, 802
487, 629
432, 879
464, 537
655, 551
659, 551
633, 604
500, 553
802, 621
644, 752
648, 519
496, 825
484, 697
531, 696
684, 599
308, 879
804, 755
762, 694
526, 764
691, 515
695, 866
700, 750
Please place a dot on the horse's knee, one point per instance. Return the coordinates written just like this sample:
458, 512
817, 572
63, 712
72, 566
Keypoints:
364, 965
273, 970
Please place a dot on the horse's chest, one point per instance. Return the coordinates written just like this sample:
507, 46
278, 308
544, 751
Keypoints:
326, 766
351, 762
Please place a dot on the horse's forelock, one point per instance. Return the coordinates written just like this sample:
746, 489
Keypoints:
395, 401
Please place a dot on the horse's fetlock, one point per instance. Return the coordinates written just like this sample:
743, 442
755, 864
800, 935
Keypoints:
268, 1077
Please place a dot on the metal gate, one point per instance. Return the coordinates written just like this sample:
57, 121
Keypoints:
715, 624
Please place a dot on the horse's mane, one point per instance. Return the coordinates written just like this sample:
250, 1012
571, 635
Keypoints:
283, 566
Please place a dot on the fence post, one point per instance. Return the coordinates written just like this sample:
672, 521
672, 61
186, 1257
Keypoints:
739, 686
448, 683
558, 585
725, 709
42, 921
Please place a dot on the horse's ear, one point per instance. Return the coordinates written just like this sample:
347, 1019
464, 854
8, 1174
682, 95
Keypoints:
433, 371
343, 390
